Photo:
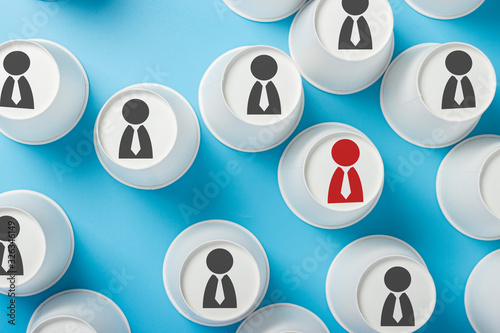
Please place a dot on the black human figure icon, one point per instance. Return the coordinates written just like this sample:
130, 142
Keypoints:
17, 94
264, 68
397, 279
219, 261
10, 256
346, 42
135, 112
459, 63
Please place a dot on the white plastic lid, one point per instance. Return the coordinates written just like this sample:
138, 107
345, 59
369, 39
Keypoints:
29, 79
489, 183
261, 85
396, 294
457, 82
337, 23
137, 129
220, 281
343, 171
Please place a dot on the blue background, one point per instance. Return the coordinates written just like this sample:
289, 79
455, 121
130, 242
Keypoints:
120, 229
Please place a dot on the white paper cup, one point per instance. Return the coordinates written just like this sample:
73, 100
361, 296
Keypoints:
468, 187
78, 310
370, 271
418, 99
233, 103
322, 45
192, 281
43, 238
43, 88
311, 178
264, 10
482, 292
282, 318
147, 136
445, 9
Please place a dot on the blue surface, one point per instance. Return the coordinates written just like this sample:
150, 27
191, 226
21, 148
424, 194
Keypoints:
123, 42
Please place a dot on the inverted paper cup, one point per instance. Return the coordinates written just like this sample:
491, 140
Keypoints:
329, 57
311, 178
43, 240
445, 9
468, 187
482, 293
206, 256
264, 10
233, 103
78, 310
282, 318
368, 279
147, 136
421, 87
43, 91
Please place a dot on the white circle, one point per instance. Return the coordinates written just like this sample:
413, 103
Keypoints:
372, 293
31, 245
434, 75
161, 126
238, 82
244, 275
320, 167
42, 76
63, 325
330, 16
489, 183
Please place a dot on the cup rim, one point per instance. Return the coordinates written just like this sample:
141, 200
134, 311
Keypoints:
191, 253
285, 196
210, 127
316, 142
47, 52
386, 113
64, 217
315, 15
282, 305
258, 19
439, 191
385, 258
238, 52
342, 252
132, 89
175, 242
63, 317
188, 165
421, 11
321, 87
82, 291
468, 287
425, 60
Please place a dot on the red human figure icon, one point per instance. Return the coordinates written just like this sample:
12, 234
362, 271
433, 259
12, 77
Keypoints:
345, 187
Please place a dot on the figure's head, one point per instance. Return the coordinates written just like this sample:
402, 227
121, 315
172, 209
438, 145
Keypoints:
345, 152
355, 7
16, 63
9, 228
397, 279
459, 63
219, 261
264, 67
135, 111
